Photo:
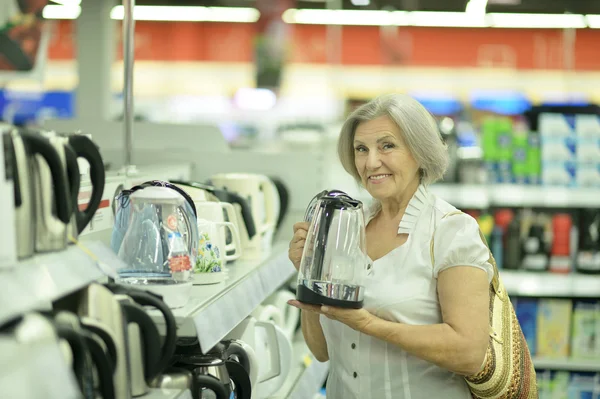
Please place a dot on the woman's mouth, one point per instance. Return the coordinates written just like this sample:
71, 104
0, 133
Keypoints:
376, 179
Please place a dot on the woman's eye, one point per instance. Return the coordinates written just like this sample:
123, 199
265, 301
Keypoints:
388, 146
360, 149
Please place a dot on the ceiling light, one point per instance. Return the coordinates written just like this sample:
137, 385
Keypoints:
252, 99
446, 19
61, 12
556, 21
593, 21
360, 3
344, 17
189, 13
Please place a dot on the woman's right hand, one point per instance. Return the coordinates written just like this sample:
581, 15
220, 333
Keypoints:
297, 243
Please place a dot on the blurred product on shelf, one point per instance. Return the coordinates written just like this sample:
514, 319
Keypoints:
555, 241
560, 328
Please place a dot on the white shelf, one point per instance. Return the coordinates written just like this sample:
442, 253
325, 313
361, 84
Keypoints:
592, 365
157, 393
307, 375
512, 195
214, 310
546, 284
35, 282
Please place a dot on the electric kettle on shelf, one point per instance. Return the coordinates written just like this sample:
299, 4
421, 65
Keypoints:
263, 197
160, 245
334, 260
23, 149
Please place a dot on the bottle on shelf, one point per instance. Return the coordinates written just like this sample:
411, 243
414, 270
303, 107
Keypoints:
588, 256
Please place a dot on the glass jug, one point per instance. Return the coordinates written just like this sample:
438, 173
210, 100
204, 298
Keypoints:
161, 242
333, 265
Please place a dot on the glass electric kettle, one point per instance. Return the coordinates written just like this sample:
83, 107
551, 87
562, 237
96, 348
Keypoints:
334, 260
161, 241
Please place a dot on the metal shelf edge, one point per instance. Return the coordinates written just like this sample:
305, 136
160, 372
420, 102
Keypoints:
567, 364
35, 282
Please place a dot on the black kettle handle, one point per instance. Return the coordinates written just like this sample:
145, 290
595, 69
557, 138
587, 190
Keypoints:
235, 349
109, 342
239, 375
134, 313
210, 382
10, 157
86, 149
103, 366
246, 212
78, 348
73, 176
42, 146
168, 349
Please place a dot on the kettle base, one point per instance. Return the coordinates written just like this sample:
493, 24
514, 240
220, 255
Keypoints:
305, 295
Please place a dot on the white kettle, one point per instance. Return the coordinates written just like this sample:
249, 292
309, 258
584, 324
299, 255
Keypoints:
263, 197
269, 314
290, 315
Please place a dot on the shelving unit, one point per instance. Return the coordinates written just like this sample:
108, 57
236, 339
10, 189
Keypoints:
35, 282
306, 376
509, 195
584, 365
214, 310
545, 284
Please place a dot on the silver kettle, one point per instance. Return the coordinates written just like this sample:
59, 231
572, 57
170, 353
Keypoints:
30, 150
334, 260
78, 146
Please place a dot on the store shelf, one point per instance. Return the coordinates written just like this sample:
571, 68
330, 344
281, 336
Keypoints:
567, 364
463, 196
546, 284
214, 310
307, 375
156, 393
35, 282
511, 195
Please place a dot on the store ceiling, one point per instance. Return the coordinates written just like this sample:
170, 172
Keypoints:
511, 6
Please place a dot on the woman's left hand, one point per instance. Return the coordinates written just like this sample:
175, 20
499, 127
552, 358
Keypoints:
357, 319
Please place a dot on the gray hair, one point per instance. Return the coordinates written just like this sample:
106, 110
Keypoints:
418, 127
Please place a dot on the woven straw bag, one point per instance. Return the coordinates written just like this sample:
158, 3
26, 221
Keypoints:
507, 372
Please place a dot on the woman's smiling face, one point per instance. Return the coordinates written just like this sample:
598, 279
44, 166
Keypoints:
384, 163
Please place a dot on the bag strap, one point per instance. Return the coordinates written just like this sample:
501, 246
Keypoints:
496, 279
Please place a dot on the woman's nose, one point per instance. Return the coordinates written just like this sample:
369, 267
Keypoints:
373, 160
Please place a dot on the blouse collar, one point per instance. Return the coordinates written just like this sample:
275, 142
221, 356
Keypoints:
417, 203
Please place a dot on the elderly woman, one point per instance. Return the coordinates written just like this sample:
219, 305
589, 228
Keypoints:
425, 320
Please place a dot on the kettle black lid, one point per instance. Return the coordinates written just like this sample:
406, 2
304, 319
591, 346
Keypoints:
335, 199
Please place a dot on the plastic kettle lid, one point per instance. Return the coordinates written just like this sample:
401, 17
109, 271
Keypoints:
158, 193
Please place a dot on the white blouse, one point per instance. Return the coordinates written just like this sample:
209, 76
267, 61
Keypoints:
402, 287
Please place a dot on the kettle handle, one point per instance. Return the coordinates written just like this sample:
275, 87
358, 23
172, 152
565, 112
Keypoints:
78, 348
42, 146
233, 348
273, 350
234, 250
239, 375
271, 205
246, 212
169, 344
73, 177
210, 382
134, 313
105, 335
103, 365
86, 149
